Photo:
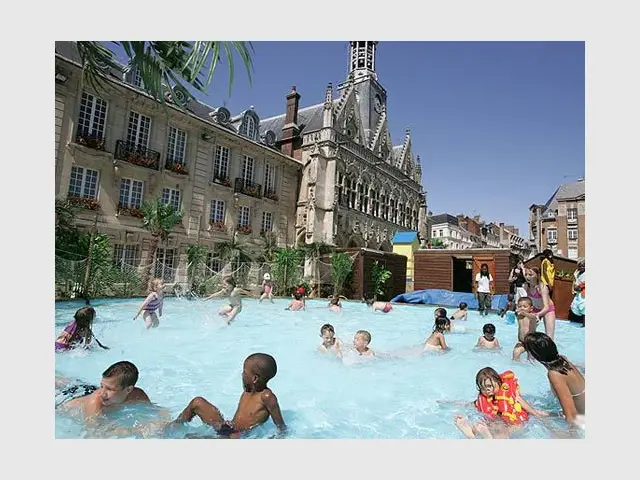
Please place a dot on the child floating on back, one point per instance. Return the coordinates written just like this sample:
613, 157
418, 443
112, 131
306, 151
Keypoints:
500, 401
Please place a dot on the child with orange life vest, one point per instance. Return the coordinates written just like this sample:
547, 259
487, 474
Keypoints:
500, 401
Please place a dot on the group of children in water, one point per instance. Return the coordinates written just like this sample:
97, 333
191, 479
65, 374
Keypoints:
498, 399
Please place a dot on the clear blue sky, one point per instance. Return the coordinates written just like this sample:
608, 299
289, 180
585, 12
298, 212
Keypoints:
498, 125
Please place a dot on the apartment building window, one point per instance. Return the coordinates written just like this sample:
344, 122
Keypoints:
221, 163
177, 145
267, 221
244, 216
214, 263
83, 183
385, 208
130, 193
92, 117
572, 214
269, 178
164, 267
440, 232
172, 197
125, 256
217, 211
572, 234
137, 79
247, 169
138, 130
552, 235
572, 253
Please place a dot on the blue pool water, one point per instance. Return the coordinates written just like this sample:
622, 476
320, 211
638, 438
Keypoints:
193, 353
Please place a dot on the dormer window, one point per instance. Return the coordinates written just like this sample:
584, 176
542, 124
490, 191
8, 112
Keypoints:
249, 127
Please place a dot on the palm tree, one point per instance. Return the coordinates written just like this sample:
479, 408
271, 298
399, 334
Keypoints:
159, 219
169, 63
235, 252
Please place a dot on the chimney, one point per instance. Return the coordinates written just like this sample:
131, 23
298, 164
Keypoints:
290, 130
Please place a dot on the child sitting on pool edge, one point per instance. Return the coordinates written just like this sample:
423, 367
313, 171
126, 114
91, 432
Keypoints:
257, 402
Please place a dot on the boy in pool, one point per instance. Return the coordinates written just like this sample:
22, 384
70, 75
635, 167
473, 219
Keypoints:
488, 339
527, 323
330, 343
461, 313
229, 289
117, 388
257, 402
361, 341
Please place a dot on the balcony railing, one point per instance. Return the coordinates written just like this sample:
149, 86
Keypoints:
88, 138
247, 188
176, 167
137, 155
270, 194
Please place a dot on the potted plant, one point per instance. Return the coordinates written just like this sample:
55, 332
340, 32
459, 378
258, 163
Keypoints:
217, 224
244, 229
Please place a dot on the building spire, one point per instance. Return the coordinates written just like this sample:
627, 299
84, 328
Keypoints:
362, 56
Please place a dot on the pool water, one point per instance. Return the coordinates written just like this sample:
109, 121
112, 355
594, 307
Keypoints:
396, 396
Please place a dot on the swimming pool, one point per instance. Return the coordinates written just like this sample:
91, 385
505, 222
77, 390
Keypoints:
193, 353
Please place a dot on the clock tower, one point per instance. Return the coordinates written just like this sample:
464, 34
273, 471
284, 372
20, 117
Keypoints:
371, 96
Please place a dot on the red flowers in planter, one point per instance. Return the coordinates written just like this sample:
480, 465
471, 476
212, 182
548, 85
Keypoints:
246, 229
136, 159
218, 225
86, 203
129, 210
176, 167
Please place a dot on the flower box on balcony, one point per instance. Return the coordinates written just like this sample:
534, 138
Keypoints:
252, 191
271, 196
136, 159
131, 211
85, 203
222, 181
176, 167
90, 141
246, 230
217, 225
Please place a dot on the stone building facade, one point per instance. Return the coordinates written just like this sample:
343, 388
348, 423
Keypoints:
118, 147
357, 189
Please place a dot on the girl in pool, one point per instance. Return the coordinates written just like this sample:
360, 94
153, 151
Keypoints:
384, 307
152, 304
78, 332
436, 341
334, 304
567, 383
500, 401
297, 303
543, 306
233, 293
267, 287
330, 343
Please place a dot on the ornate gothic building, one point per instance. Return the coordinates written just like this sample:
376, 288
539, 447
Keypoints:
357, 189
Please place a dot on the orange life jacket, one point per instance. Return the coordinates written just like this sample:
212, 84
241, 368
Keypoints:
504, 404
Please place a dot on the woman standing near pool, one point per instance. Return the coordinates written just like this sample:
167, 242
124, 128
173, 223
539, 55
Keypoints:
543, 306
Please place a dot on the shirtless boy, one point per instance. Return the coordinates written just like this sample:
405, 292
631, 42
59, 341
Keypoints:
257, 402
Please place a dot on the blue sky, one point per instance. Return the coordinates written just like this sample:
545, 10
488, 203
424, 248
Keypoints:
498, 125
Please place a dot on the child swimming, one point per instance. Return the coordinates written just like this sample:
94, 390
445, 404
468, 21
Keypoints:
334, 304
78, 332
297, 303
229, 289
384, 307
361, 341
461, 313
500, 401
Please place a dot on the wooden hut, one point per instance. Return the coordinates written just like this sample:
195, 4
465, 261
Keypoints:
455, 270
562, 285
362, 265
